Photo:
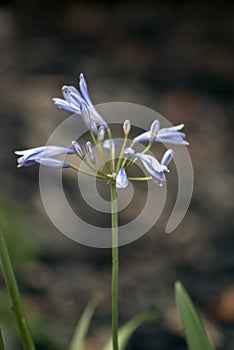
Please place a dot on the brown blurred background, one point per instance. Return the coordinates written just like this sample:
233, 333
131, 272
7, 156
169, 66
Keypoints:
175, 57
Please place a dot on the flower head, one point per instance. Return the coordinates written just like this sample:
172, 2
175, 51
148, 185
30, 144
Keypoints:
111, 170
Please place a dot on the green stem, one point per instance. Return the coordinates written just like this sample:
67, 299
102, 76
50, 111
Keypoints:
140, 178
121, 158
115, 266
14, 293
101, 150
112, 149
76, 168
1, 341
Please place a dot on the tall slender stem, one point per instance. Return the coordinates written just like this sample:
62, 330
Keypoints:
14, 293
115, 266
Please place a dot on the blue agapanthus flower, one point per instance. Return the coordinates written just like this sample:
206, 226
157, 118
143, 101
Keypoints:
156, 169
171, 135
44, 156
80, 103
115, 165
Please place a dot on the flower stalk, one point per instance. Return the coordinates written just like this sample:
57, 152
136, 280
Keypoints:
14, 294
115, 266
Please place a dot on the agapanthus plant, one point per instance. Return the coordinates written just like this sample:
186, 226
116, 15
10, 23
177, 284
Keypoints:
115, 166
115, 171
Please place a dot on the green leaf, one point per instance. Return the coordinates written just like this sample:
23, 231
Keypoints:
83, 325
1, 341
127, 330
195, 334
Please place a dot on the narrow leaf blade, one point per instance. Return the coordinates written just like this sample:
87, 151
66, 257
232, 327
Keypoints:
83, 325
1, 341
195, 333
127, 330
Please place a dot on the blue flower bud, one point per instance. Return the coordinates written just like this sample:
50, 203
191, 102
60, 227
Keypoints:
101, 133
154, 130
121, 180
91, 152
78, 149
126, 127
167, 157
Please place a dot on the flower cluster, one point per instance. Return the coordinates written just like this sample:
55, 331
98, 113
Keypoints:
102, 141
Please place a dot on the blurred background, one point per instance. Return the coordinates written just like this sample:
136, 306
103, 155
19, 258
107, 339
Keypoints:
175, 57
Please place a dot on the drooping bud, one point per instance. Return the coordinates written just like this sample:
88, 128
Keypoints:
91, 152
126, 127
78, 149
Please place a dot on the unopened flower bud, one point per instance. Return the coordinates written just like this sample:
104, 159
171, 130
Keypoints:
90, 150
121, 180
126, 127
167, 157
154, 130
78, 149
101, 133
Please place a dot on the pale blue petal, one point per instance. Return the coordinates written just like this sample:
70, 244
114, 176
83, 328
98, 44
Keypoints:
51, 151
66, 106
22, 163
174, 128
142, 137
172, 140
84, 90
72, 95
52, 163
30, 151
